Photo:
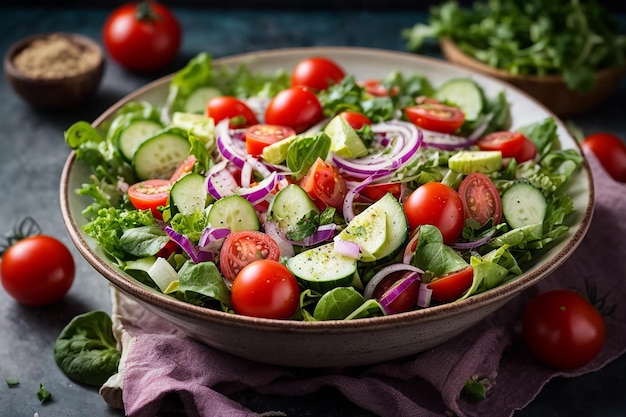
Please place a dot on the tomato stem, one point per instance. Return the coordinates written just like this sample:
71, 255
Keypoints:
145, 12
22, 229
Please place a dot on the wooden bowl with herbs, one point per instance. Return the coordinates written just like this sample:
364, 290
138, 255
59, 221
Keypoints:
54, 70
570, 56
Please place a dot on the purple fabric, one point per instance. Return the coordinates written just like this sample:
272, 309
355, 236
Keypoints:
161, 362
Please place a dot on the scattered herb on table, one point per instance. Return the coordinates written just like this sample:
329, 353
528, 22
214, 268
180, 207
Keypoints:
530, 37
43, 394
12, 382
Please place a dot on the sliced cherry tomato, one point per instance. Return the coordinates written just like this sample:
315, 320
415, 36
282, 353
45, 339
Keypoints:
452, 286
37, 270
376, 191
267, 289
610, 151
562, 329
226, 107
377, 89
317, 73
436, 117
355, 119
480, 198
149, 195
406, 301
261, 135
528, 152
241, 248
510, 144
142, 36
296, 107
439, 205
325, 185
185, 168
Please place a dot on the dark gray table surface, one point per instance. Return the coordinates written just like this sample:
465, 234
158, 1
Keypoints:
33, 151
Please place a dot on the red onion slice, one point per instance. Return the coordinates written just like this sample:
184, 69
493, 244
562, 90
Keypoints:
424, 296
396, 291
375, 280
258, 192
187, 245
347, 248
221, 183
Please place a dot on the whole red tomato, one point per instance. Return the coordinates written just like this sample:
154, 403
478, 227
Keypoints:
610, 151
317, 73
37, 270
295, 107
142, 37
563, 329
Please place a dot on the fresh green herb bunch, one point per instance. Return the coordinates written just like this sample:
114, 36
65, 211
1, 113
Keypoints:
572, 38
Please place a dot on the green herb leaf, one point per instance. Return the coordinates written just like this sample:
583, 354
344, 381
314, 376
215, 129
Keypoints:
12, 382
43, 395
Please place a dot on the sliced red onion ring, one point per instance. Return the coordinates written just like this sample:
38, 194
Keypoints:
445, 141
246, 174
348, 201
406, 142
409, 249
211, 235
396, 291
286, 248
258, 192
187, 245
375, 280
473, 244
235, 150
424, 296
221, 183
347, 248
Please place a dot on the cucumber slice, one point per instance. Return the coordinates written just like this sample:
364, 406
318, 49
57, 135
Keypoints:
189, 194
197, 100
289, 205
464, 93
369, 230
133, 135
235, 213
322, 269
524, 205
468, 162
380, 230
159, 156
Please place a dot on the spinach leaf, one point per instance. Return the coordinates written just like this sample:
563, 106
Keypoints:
86, 350
305, 150
338, 303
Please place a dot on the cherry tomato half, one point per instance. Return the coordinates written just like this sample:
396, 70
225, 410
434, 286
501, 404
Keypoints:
436, 117
481, 199
377, 89
452, 286
510, 144
142, 37
37, 270
376, 191
562, 329
296, 107
261, 135
325, 185
149, 195
185, 168
355, 119
265, 288
227, 107
439, 205
317, 73
610, 151
244, 247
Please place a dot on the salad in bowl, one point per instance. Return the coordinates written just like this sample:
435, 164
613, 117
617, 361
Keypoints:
310, 194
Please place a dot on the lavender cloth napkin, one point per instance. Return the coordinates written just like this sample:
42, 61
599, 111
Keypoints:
159, 363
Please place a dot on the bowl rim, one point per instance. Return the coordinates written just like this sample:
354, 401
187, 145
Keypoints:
448, 45
143, 293
21, 44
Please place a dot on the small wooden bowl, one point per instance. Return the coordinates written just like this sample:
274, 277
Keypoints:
60, 91
549, 90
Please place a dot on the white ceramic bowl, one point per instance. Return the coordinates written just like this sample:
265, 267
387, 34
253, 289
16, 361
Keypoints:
335, 343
